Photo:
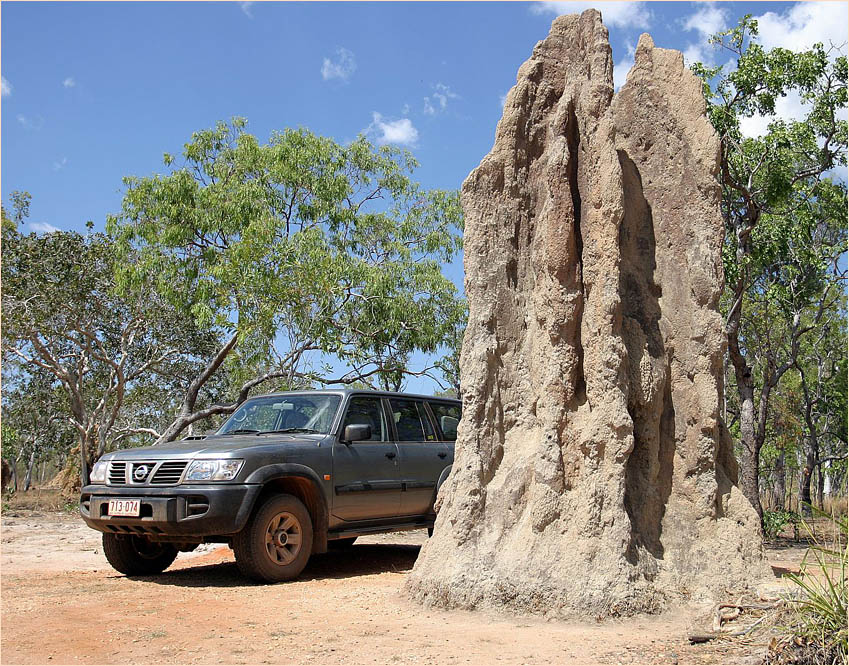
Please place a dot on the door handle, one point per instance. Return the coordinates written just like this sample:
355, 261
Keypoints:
442, 454
390, 455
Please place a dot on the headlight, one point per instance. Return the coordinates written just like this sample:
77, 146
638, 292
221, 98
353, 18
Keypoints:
98, 472
213, 470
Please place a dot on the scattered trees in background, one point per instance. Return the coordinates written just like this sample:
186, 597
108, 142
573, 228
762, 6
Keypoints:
294, 252
785, 244
249, 267
300, 262
66, 332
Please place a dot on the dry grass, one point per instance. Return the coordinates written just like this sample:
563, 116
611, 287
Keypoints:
39, 499
835, 506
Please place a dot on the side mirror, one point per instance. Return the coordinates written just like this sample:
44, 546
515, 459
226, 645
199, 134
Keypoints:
356, 432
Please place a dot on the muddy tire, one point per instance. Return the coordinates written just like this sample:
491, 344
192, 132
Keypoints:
341, 544
277, 541
136, 556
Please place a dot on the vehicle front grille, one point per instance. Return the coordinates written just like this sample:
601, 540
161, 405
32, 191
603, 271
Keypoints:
164, 473
117, 473
169, 473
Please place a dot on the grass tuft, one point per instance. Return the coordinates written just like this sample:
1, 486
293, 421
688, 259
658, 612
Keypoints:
817, 632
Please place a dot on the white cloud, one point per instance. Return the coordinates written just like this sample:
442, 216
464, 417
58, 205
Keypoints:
43, 227
246, 8
804, 24
797, 29
342, 68
789, 107
69, 82
438, 101
503, 99
697, 52
60, 164
621, 68
6, 86
707, 21
30, 123
618, 14
400, 131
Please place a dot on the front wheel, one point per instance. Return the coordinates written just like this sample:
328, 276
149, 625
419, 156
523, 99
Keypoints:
137, 556
277, 541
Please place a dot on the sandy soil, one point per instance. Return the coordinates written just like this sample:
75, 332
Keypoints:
62, 604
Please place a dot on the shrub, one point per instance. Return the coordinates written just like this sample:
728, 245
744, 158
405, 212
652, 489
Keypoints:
774, 523
820, 611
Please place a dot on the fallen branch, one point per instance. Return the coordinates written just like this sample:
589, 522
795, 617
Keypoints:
704, 638
720, 617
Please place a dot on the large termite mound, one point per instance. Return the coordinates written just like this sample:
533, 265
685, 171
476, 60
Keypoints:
593, 472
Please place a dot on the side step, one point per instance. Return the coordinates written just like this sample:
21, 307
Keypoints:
379, 529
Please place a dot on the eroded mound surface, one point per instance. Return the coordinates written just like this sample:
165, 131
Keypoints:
593, 471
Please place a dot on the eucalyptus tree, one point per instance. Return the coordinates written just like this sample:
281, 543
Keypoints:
35, 425
63, 319
822, 370
302, 254
766, 181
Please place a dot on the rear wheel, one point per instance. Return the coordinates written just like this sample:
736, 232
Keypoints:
137, 556
277, 541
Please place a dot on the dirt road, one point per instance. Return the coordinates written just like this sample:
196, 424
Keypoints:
62, 604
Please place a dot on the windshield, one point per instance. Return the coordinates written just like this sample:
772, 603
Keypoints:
286, 413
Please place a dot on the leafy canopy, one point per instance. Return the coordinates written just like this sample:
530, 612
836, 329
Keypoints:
332, 246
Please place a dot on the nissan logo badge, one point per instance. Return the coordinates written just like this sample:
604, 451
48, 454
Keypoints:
140, 473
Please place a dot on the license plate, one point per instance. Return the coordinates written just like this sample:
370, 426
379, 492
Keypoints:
125, 507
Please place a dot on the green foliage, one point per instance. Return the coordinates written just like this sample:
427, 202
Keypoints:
785, 223
20, 210
74, 350
331, 248
821, 610
774, 173
774, 522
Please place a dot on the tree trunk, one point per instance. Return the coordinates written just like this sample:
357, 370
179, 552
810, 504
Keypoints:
751, 455
820, 488
28, 477
7, 473
15, 473
805, 476
778, 487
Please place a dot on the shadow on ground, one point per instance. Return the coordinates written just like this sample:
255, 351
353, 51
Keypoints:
359, 560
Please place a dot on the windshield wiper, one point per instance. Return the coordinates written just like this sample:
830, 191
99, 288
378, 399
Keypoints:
241, 431
307, 430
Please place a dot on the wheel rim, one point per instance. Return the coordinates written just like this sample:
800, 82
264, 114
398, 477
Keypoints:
283, 538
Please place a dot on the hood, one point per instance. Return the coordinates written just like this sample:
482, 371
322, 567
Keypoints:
217, 446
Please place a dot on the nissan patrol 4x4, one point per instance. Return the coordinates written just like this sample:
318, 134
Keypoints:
287, 475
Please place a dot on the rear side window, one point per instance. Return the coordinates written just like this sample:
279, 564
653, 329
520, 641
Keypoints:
411, 421
447, 416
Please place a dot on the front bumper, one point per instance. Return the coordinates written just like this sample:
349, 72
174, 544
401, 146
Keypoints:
180, 511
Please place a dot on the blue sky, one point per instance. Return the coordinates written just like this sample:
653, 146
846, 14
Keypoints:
92, 92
